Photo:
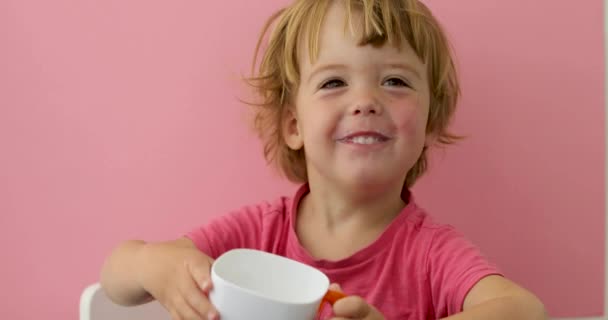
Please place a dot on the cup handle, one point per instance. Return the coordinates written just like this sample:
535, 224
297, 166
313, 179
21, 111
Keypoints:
330, 297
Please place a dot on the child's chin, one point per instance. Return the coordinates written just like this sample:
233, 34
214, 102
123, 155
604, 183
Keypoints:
368, 180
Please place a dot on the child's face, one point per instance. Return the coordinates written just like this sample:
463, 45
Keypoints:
360, 111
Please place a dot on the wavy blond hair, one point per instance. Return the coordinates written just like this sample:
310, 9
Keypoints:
277, 76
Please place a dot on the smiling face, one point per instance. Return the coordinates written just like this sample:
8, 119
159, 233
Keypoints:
360, 110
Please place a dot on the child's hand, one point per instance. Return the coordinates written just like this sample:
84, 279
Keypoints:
354, 307
177, 275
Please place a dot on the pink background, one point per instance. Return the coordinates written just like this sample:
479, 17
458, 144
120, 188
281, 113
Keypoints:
119, 119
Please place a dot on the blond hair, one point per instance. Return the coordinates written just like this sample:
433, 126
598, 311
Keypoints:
277, 77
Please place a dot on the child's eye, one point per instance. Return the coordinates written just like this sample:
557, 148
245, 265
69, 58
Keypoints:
332, 84
395, 82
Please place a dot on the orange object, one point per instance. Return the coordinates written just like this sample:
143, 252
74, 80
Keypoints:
331, 297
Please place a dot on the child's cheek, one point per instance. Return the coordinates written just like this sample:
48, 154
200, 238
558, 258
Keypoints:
411, 123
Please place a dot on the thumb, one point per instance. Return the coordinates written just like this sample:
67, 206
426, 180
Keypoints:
335, 287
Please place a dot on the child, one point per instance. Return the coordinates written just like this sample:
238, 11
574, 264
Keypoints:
353, 93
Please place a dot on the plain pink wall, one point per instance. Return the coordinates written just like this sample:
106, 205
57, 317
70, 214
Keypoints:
119, 119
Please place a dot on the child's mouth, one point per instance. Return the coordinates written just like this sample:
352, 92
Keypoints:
364, 138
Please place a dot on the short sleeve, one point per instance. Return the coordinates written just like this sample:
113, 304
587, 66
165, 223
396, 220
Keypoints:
454, 266
239, 229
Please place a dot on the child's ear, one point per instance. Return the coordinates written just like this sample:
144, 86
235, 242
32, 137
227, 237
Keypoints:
291, 129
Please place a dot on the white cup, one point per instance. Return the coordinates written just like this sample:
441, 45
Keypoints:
251, 284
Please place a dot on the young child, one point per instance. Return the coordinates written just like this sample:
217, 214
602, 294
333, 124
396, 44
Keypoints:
353, 93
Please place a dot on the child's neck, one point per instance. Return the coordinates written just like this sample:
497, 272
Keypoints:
334, 225
336, 209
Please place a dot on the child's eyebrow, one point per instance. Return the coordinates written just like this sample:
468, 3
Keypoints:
325, 67
405, 67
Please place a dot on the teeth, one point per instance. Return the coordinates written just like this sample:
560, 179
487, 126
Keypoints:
365, 139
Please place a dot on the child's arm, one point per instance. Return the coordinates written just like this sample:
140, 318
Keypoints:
119, 273
495, 297
175, 273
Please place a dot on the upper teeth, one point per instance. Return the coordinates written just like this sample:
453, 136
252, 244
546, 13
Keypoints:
365, 139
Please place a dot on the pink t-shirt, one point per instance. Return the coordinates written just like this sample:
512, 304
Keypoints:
416, 269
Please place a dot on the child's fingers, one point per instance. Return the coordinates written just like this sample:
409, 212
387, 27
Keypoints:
183, 311
190, 292
335, 287
351, 307
197, 301
200, 272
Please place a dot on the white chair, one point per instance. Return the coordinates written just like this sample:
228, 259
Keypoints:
95, 305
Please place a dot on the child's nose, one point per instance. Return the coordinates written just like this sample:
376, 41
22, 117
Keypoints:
366, 108
365, 103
